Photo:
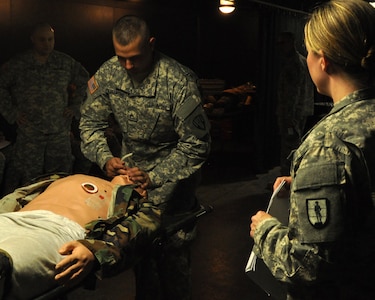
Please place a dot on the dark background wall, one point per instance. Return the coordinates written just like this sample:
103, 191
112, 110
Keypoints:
194, 32
237, 48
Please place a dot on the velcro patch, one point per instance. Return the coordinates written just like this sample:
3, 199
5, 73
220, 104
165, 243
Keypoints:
92, 85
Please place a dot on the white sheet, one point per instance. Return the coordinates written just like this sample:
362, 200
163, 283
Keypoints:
33, 238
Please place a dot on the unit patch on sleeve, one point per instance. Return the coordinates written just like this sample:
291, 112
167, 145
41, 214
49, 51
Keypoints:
199, 122
92, 85
317, 212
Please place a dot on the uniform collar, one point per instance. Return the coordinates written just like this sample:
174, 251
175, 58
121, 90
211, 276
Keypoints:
359, 95
148, 87
356, 96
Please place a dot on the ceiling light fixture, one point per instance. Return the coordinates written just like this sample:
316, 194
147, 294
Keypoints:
227, 6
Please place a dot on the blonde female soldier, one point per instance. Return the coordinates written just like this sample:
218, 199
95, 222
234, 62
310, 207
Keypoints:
326, 251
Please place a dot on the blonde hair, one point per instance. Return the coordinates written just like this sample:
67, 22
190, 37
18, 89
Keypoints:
344, 30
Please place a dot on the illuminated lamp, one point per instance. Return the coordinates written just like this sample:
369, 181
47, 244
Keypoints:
227, 6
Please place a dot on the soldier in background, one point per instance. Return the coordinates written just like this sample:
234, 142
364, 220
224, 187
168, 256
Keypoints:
295, 98
157, 104
34, 95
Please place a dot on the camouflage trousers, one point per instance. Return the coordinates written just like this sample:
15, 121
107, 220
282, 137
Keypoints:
37, 155
166, 273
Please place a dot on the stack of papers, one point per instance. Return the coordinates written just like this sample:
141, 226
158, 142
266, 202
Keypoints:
257, 271
253, 258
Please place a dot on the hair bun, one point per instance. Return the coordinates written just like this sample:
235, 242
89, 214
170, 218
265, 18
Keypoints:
368, 61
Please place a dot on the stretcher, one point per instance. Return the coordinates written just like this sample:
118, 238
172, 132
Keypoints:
170, 226
174, 225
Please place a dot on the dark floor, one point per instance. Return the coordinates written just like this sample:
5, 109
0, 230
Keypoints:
234, 188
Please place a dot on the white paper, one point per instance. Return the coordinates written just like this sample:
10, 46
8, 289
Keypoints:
274, 194
250, 266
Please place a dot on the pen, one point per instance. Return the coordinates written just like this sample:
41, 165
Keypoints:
127, 160
126, 156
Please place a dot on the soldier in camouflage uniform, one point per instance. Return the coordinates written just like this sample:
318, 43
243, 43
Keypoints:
34, 94
157, 104
326, 251
295, 98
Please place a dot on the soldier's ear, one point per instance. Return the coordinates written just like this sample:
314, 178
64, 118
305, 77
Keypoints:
325, 63
152, 42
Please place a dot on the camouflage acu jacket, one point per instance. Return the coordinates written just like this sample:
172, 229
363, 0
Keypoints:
40, 91
162, 121
327, 248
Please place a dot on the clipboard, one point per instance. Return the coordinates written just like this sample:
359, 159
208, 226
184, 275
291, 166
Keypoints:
259, 272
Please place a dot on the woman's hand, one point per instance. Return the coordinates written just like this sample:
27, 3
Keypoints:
256, 219
284, 192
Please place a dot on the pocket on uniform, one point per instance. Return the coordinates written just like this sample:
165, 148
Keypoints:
141, 122
320, 175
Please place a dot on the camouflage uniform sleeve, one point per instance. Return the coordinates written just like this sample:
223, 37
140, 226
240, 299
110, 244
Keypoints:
23, 195
300, 251
94, 121
193, 129
287, 259
7, 108
119, 242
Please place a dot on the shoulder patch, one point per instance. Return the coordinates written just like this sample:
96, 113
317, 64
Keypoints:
318, 212
92, 85
199, 122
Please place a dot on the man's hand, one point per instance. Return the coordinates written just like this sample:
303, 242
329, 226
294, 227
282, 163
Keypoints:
115, 166
79, 262
256, 219
139, 177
